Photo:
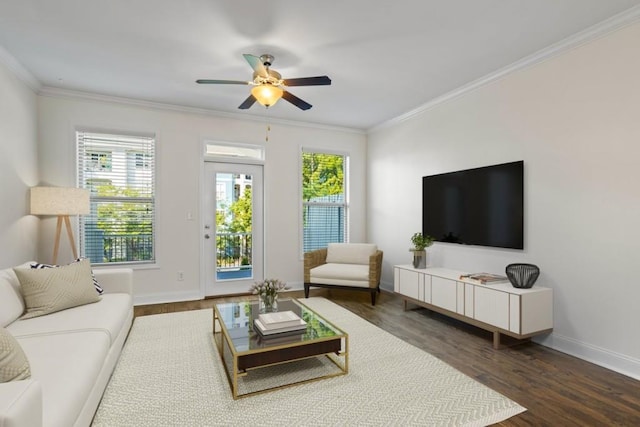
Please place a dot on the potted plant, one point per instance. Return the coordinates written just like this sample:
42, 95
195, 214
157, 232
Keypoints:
420, 243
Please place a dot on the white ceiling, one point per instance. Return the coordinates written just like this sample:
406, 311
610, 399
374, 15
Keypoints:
385, 58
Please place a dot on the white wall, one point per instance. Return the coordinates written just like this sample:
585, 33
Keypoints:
574, 120
18, 170
180, 137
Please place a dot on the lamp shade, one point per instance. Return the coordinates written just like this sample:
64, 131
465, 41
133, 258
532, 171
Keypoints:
59, 201
267, 94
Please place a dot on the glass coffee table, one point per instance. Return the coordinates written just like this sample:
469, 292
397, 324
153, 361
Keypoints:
254, 364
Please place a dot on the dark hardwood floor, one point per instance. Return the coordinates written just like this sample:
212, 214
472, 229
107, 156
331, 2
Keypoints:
557, 389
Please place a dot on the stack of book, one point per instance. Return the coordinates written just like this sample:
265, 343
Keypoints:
279, 323
484, 278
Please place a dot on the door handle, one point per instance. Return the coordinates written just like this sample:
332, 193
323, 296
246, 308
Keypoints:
206, 236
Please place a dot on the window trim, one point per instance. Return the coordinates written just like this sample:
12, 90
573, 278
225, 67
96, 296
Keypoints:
229, 157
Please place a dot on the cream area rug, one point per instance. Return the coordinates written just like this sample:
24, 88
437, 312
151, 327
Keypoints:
170, 374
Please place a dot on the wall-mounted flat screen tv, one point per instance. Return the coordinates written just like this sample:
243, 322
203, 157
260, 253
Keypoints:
481, 206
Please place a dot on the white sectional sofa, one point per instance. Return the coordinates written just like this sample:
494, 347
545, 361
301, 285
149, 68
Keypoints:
71, 353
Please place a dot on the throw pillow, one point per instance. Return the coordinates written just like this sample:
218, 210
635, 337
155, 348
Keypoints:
48, 290
14, 365
93, 276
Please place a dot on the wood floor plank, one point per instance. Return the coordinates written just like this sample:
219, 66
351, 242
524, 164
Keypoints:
557, 389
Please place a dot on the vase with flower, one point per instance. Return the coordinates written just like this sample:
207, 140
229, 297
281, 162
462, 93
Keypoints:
267, 292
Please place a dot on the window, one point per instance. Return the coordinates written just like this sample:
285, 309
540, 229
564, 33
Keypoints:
120, 174
142, 160
99, 161
235, 151
324, 201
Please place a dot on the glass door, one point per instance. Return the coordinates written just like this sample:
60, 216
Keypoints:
233, 229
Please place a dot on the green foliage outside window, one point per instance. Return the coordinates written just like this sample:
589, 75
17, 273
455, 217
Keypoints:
241, 213
126, 217
322, 175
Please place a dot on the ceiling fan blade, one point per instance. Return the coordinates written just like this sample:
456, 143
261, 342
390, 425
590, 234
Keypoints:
223, 82
308, 81
247, 102
296, 101
256, 64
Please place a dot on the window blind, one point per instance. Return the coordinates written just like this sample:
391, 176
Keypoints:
119, 171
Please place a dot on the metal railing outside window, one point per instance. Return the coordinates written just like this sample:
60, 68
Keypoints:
233, 250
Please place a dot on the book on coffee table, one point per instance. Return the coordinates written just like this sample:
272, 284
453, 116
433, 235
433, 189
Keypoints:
301, 326
279, 319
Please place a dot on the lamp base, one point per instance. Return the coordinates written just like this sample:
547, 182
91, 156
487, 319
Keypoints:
56, 244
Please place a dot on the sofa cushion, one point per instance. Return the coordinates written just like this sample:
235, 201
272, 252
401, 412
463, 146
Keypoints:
14, 365
21, 403
11, 302
93, 276
350, 253
67, 365
53, 289
107, 315
341, 274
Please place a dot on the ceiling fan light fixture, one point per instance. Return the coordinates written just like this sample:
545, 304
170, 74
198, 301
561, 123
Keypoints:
267, 94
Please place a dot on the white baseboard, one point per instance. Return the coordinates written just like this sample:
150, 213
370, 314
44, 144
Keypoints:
385, 286
166, 297
295, 286
617, 362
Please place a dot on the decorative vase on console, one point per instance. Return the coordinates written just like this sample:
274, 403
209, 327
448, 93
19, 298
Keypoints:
522, 275
420, 242
267, 292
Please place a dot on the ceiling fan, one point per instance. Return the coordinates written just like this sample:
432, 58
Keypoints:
268, 84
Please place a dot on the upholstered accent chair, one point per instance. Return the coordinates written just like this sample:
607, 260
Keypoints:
354, 266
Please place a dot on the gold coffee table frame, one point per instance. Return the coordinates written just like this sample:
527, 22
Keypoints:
242, 349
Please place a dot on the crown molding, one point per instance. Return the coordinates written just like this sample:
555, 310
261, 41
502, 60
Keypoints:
54, 92
594, 32
19, 70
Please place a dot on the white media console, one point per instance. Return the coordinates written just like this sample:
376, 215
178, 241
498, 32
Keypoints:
498, 307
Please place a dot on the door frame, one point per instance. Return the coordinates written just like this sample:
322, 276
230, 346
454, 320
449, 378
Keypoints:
203, 220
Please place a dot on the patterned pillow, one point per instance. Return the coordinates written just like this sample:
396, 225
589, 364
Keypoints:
93, 276
14, 365
47, 290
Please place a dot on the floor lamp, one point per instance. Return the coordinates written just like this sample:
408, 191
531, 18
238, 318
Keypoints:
63, 202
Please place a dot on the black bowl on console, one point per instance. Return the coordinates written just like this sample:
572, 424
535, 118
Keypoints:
522, 275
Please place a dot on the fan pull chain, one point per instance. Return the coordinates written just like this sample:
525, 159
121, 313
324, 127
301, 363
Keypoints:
266, 119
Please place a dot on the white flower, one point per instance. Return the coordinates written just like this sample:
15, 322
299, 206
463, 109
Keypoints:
268, 287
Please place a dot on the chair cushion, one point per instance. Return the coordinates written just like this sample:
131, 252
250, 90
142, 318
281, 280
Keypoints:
53, 289
350, 253
341, 274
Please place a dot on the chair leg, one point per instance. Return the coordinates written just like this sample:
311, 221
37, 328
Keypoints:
373, 297
306, 290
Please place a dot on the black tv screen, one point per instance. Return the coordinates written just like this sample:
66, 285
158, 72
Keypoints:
482, 206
